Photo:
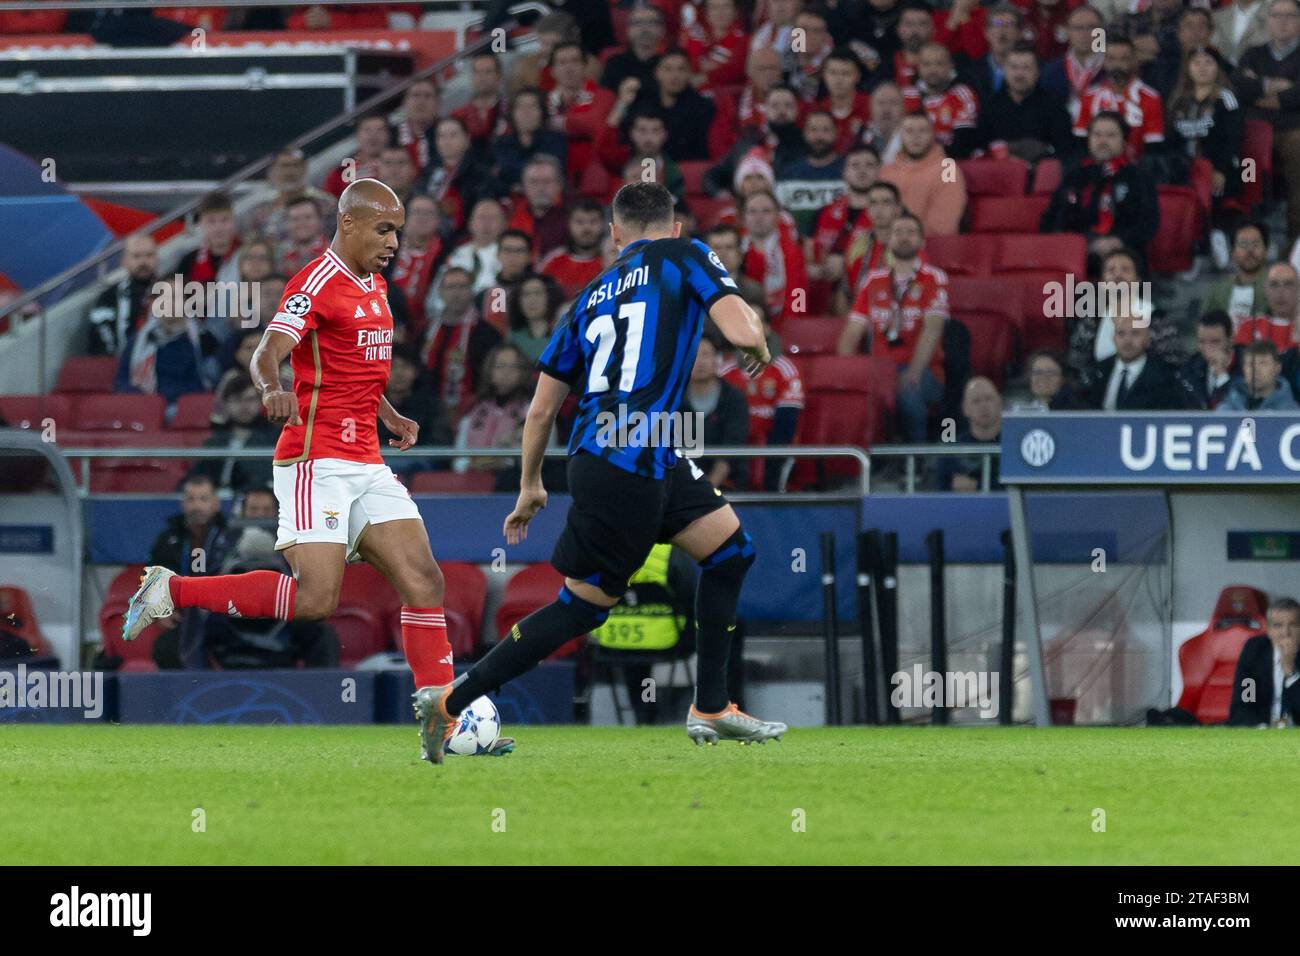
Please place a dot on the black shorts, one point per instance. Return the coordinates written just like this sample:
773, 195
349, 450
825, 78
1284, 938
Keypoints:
616, 517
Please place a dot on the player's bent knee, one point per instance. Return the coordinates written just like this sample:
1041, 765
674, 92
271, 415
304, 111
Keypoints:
314, 605
733, 557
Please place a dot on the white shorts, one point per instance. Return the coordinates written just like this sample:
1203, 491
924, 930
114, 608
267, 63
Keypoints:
333, 501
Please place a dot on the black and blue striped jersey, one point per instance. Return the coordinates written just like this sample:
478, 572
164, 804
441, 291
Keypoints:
627, 345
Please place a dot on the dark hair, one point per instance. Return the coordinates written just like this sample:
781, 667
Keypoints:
515, 318
198, 477
920, 5
586, 204
1051, 354
674, 51
845, 55
564, 45
372, 115
1262, 347
1025, 48
886, 185
451, 119
536, 94
905, 214
1251, 224
1127, 253
863, 148
722, 227
525, 388
234, 384
214, 202
516, 234
301, 200
650, 112
1217, 318
1114, 117
1283, 604
782, 88
1196, 11
643, 205
815, 111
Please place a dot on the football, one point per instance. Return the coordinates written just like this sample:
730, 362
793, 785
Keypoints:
479, 727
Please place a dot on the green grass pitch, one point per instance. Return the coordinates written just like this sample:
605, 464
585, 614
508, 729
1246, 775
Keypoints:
358, 795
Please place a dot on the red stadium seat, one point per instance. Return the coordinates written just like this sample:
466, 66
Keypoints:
595, 182
811, 336
136, 413
995, 177
138, 653
1042, 254
30, 411
708, 211
156, 476
1201, 179
1208, 661
993, 311
1171, 251
465, 589
365, 589
693, 176
450, 482
358, 633
865, 374
1257, 147
1007, 214
193, 411
1047, 176
1041, 327
962, 255
87, 373
531, 588
20, 618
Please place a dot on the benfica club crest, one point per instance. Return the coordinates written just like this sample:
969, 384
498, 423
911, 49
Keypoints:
331, 519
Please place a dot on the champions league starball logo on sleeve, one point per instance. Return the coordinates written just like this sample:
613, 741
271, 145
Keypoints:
299, 304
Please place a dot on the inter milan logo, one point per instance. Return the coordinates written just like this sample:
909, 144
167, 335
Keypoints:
298, 304
331, 519
1037, 448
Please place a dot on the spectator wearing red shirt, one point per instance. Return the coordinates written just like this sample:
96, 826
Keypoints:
1045, 21
578, 262
417, 257
774, 257
717, 46
817, 45
775, 398
962, 28
901, 312
1278, 324
848, 106
843, 224
577, 106
951, 105
542, 215
484, 114
456, 178
372, 137
1070, 76
1120, 91
420, 107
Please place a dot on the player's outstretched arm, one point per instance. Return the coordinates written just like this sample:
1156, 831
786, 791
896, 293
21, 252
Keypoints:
743, 329
546, 403
281, 406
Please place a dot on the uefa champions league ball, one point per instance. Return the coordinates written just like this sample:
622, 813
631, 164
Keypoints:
479, 727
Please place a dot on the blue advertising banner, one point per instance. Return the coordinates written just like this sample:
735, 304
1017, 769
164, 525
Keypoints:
248, 697
1164, 448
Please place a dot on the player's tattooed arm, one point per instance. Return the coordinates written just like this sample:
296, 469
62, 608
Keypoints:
407, 430
281, 406
743, 329
550, 395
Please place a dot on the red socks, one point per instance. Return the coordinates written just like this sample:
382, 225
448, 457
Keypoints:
424, 640
255, 594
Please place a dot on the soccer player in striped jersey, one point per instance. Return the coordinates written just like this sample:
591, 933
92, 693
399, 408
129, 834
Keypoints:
338, 501
626, 347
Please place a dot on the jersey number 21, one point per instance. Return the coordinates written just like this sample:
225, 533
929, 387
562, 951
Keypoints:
602, 329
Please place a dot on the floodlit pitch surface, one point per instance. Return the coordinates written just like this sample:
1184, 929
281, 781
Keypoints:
330, 795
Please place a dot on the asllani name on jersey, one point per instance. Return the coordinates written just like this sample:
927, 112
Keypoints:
638, 276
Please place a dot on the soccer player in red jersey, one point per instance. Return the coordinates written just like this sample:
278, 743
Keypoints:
338, 500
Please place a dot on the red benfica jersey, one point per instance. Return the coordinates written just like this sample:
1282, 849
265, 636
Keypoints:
885, 307
412, 274
904, 71
580, 120
951, 109
482, 124
1139, 105
1279, 331
570, 271
344, 334
851, 122
723, 56
777, 386
836, 224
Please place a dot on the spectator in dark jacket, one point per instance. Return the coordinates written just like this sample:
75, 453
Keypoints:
194, 542
456, 177
529, 136
245, 427
169, 356
1207, 375
1111, 201
1266, 685
1204, 120
686, 113
725, 414
1260, 386
1021, 116
121, 308
1049, 386
981, 406
1133, 379
1268, 83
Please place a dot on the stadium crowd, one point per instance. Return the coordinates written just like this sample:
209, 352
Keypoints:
843, 160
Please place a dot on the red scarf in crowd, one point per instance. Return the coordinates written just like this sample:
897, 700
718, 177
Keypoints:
1106, 199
